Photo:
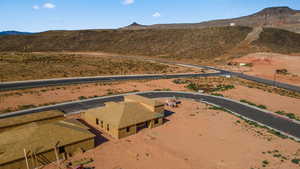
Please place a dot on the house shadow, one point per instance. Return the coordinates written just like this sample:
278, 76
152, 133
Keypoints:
99, 139
167, 113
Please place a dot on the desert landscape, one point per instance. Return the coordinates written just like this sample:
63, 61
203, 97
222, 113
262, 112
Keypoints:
223, 93
191, 136
270, 65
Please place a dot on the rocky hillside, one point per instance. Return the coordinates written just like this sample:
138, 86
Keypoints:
200, 43
207, 43
278, 17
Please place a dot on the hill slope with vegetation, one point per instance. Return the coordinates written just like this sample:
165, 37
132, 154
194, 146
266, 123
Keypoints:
207, 44
200, 43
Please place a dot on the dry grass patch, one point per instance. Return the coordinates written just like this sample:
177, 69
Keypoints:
28, 66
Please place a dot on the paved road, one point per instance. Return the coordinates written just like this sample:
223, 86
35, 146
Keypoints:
54, 82
268, 119
64, 81
251, 78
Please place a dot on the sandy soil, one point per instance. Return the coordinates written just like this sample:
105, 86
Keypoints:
266, 64
192, 138
274, 102
41, 96
50, 95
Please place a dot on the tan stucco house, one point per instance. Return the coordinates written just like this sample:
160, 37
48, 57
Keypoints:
121, 119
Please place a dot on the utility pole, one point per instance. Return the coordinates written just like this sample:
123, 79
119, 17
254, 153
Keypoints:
57, 158
26, 160
56, 155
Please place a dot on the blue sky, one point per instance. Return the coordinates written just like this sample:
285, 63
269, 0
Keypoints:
42, 15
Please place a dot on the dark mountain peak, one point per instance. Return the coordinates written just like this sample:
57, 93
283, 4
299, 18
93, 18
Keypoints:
135, 24
273, 11
14, 33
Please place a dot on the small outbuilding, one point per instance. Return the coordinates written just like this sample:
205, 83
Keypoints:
121, 119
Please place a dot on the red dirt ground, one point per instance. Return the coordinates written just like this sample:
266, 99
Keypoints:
266, 64
193, 138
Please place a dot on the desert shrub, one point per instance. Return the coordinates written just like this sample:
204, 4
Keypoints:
217, 94
253, 104
193, 86
180, 81
289, 115
27, 106
164, 89
223, 88
282, 71
82, 97
249, 64
265, 163
295, 160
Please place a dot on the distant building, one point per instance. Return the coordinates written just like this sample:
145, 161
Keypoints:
126, 118
39, 117
232, 24
42, 144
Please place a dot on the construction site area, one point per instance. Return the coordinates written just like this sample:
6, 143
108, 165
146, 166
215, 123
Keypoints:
38, 139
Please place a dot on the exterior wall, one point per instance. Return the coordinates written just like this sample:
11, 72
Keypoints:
42, 121
91, 119
152, 123
159, 109
160, 122
123, 132
49, 156
84, 145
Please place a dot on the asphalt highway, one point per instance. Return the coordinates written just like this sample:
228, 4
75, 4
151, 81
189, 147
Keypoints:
252, 78
64, 81
268, 119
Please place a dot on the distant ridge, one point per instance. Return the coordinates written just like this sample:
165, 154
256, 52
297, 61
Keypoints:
278, 17
14, 33
272, 11
215, 40
135, 26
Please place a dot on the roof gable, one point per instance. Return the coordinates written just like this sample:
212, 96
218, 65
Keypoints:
39, 138
124, 114
28, 118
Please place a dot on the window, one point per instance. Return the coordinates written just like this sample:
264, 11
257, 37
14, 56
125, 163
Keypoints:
156, 121
101, 124
127, 129
97, 121
61, 149
107, 127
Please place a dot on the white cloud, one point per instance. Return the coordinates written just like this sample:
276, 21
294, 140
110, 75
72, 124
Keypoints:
36, 7
156, 14
128, 2
49, 5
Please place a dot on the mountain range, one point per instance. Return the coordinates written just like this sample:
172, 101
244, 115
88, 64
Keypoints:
14, 33
270, 30
277, 17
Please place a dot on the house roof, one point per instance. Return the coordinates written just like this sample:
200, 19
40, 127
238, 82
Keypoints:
124, 114
141, 99
28, 118
40, 138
